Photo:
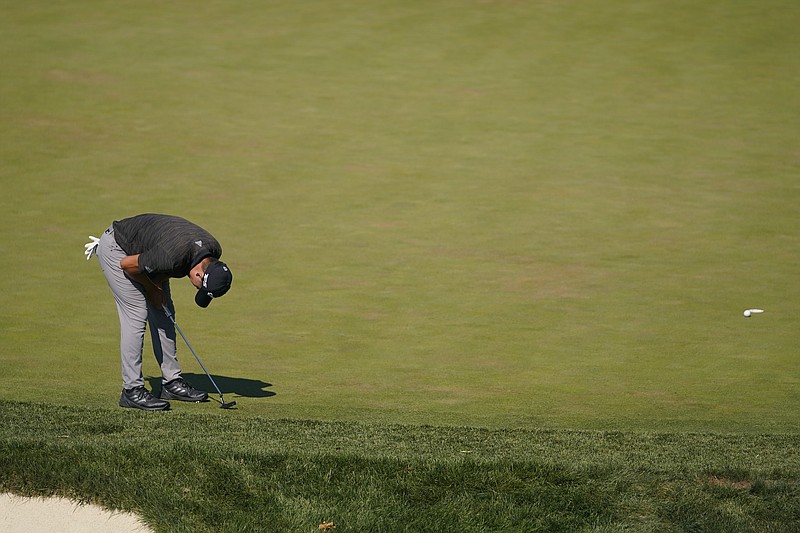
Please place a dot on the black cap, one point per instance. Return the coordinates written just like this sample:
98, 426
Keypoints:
216, 282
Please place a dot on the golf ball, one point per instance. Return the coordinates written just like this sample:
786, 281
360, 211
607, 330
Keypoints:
747, 313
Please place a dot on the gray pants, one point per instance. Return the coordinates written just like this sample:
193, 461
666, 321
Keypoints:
135, 312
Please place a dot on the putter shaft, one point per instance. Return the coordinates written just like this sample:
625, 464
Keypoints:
221, 399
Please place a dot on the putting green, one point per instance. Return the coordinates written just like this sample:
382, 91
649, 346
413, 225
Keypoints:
481, 213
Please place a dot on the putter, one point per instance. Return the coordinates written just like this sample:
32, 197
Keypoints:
221, 400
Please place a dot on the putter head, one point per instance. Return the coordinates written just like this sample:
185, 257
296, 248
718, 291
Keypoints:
228, 405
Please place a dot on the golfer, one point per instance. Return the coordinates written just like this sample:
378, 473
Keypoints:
138, 255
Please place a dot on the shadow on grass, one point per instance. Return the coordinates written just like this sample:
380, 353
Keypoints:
248, 388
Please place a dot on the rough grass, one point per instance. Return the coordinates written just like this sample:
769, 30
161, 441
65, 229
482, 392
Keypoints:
216, 473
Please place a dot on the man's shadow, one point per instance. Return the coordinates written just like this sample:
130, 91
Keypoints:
248, 388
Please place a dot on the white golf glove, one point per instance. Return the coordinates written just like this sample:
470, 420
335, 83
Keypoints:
91, 247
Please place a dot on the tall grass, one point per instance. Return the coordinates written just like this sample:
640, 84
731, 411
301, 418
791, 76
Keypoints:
217, 473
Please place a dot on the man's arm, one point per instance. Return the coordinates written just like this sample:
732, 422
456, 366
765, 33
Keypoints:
130, 264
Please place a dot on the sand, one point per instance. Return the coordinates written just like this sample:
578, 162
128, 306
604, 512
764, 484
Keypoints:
35, 515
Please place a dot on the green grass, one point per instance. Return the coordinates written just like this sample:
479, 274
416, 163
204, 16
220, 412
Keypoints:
260, 474
546, 214
497, 214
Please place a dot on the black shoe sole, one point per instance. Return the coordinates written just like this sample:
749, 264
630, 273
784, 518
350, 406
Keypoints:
131, 405
165, 395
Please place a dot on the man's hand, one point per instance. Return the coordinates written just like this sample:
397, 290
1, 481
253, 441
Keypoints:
152, 287
156, 296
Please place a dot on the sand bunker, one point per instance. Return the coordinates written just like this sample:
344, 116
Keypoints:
35, 515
